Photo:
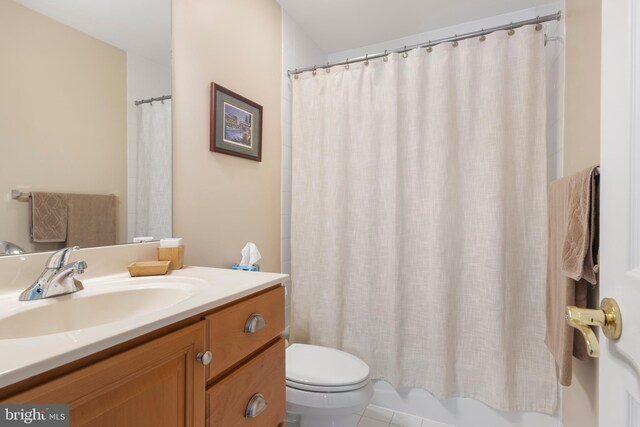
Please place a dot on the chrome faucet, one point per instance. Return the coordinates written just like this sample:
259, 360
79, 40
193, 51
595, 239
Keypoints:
57, 277
8, 248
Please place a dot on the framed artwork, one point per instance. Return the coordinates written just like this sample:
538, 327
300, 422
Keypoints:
236, 124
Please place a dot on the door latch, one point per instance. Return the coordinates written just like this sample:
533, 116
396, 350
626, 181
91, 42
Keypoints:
608, 318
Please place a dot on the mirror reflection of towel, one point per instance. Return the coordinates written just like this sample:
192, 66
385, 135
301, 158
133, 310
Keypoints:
48, 217
91, 220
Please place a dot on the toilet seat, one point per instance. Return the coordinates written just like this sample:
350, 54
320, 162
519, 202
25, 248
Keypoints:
327, 389
324, 370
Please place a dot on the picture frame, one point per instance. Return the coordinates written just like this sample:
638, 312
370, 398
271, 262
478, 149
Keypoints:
236, 124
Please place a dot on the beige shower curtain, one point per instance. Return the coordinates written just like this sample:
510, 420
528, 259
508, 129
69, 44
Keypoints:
153, 202
419, 218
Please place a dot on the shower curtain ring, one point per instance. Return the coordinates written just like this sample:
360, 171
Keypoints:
328, 69
404, 53
314, 72
346, 66
455, 41
429, 48
295, 74
385, 59
366, 59
483, 37
511, 31
538, 24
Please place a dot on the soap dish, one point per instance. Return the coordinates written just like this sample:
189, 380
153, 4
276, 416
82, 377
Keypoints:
148, 268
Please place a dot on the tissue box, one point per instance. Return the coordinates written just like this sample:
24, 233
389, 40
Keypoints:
246, 267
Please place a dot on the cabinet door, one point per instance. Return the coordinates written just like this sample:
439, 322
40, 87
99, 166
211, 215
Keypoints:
159, 383
227, 400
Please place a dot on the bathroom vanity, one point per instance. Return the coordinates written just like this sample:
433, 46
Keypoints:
200, 346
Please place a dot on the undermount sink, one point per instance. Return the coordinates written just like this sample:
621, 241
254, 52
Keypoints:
91, 307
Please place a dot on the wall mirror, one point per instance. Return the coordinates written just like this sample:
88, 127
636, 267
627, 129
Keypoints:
72, 124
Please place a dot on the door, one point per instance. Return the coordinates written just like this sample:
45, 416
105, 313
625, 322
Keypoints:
158, 384
619, 376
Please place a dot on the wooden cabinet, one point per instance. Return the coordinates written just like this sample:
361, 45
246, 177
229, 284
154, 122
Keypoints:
248, 359
157, 381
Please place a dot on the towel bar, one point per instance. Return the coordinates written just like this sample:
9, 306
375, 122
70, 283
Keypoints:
19, 195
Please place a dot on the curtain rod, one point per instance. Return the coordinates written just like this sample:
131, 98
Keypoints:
151, 100
512, 25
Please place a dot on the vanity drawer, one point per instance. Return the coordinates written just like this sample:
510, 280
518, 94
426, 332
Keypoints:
228, 341
228, 399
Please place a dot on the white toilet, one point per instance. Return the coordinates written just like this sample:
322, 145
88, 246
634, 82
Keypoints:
325, 387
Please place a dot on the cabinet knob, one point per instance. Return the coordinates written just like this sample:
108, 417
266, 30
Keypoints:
204, 358
254, 323
256, 406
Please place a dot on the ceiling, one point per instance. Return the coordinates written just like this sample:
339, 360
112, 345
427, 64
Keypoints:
141, 27
337, 25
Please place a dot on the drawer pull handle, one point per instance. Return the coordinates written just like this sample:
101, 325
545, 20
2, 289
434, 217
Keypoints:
256, 406
255, 322
204, 358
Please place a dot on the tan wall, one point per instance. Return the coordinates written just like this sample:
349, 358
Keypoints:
582, 149
62, 116
221, 202
582, 85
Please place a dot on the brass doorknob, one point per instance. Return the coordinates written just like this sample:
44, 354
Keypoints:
608, 318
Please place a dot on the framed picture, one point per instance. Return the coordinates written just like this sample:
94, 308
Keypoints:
236, 124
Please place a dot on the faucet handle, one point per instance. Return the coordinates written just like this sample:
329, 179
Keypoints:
80, 266
61, 257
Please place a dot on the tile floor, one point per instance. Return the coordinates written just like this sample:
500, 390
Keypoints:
376, 416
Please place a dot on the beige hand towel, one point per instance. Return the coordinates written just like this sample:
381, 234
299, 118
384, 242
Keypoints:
579, 257
566, 201
92, 220
48, 218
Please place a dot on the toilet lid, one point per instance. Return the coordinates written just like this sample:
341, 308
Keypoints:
315, 368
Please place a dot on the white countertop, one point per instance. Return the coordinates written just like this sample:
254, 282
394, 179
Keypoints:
25, 357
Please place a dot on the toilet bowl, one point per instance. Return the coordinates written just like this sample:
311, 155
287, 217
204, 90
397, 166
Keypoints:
325, 387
